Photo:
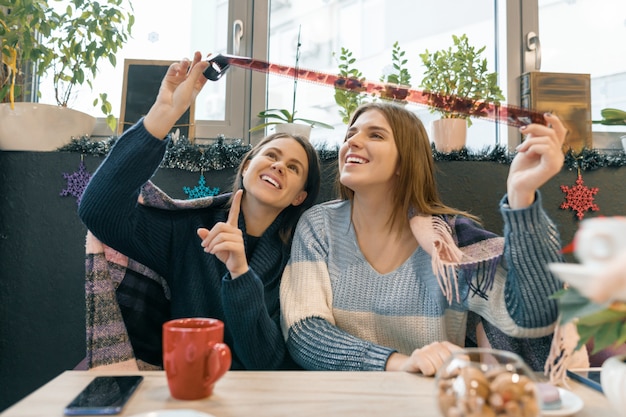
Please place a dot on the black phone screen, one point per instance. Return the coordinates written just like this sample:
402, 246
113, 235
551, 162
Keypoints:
104, 395
589, 377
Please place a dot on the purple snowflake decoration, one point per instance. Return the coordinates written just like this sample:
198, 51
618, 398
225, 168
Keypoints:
200, 190
76, 182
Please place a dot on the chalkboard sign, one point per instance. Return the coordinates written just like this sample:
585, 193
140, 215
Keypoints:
142, 79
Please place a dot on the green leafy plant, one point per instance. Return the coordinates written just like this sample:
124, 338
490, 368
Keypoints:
612, 117
605, 324
278, 116
348, 100
459, 78
22, 23
399, 76
69, 45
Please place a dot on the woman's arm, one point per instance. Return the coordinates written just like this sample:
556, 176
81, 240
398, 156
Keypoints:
306, 305
519, 303
254, 318
109, 206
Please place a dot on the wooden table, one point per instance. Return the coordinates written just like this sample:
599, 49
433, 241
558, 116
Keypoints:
275, 394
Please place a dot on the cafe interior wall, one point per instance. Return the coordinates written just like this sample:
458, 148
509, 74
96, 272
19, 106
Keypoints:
42, 307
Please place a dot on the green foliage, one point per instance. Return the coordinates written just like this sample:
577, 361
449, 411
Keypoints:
459, 72
348, 100
107, 108
20, 22
605, 324
278, 116
401, 74
72, 45
612, 117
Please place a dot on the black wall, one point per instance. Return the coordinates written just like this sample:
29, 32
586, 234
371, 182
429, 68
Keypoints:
42, 313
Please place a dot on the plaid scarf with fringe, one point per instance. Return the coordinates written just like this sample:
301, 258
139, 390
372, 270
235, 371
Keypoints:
123, 296
456, 244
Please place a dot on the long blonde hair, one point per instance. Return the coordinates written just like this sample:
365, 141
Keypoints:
415, 187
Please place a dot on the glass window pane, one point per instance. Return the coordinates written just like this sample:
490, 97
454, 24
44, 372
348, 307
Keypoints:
162, 32
369, 28
591, 42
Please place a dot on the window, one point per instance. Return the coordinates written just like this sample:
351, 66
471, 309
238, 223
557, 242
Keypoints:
592, 42
369, 28
163, 32
576, 36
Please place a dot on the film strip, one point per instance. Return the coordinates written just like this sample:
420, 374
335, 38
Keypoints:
510, 115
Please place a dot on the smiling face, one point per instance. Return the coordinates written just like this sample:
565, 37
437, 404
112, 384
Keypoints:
368, 158
277, 174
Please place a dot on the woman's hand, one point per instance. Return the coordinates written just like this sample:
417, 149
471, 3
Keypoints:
539, 158
179, 88
225, 240
426, 360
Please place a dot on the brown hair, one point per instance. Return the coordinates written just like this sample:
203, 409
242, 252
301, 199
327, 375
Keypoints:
415, 187
311, 185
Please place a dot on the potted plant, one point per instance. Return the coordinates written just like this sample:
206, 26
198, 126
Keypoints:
66, 44
399, 75
349, 99
457, 77
612, 117
285, 120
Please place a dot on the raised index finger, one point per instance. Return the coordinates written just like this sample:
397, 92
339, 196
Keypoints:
233, 213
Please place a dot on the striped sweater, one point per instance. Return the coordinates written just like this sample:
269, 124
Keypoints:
338, 313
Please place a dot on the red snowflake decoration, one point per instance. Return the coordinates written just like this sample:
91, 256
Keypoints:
579, 198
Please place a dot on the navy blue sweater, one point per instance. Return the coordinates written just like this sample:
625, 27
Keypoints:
166, 241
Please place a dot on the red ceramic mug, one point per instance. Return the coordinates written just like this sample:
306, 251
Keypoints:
194, 356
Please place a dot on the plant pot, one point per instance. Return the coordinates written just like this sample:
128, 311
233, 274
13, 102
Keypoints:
613, 380
294, 129
41, 127
449, 134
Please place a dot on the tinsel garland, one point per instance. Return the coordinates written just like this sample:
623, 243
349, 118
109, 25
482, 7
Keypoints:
184, 155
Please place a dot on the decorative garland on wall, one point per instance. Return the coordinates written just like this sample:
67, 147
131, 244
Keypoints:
182, 154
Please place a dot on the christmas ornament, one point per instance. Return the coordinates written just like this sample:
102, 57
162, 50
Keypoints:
227, 153
76, 181
200, 190
579, 198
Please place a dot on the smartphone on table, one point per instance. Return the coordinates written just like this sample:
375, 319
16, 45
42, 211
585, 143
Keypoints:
587, 376
105, 395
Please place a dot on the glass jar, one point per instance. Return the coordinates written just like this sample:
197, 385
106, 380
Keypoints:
486, 382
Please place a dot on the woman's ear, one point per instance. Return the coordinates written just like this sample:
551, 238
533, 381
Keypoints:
245, 167
299, 198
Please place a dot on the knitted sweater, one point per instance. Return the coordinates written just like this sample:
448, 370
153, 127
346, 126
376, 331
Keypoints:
340, 314
197, 283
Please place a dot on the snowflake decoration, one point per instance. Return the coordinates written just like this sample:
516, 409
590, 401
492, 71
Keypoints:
153, 37
579, 198
76, 182
200, 190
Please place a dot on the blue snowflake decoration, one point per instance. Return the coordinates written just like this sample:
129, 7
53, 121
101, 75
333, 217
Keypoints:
76, 182
200, 190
